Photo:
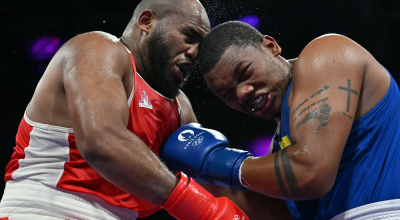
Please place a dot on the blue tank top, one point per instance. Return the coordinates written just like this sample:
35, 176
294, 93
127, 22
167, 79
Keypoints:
369, 169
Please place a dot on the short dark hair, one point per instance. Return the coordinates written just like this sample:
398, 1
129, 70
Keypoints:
221, 37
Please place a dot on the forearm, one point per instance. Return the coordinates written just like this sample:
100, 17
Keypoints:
125, 161
255, 205
287, 174
292, 173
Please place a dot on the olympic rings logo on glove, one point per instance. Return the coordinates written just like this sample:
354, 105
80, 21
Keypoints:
198, 141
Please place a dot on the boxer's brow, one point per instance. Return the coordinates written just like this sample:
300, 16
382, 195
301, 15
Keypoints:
237, 68
194, 32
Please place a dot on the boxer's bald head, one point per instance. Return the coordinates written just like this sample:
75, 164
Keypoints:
160, 8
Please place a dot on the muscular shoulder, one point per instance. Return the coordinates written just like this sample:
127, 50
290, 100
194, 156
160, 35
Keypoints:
91, 41
331, 51
95, 38
188, 114
95, 48
327, 58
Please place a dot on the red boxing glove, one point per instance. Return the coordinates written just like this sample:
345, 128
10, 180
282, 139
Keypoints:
190, 201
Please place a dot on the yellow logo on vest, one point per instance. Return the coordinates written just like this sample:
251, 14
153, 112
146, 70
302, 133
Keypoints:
285, 142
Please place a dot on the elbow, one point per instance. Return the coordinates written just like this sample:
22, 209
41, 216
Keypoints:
92, 147
316, 184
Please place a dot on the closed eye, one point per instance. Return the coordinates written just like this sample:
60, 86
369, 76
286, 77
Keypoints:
227, 93
244, 72
190, 36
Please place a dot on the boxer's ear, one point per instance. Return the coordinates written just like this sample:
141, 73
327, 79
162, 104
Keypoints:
269, 44
146, 20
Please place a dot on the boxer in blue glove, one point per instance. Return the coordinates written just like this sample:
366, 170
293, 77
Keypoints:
204, 154
336, 152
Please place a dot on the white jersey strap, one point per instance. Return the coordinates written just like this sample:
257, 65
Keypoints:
126, 48
133, 87
180, 112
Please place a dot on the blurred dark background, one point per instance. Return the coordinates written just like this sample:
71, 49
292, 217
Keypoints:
31, 32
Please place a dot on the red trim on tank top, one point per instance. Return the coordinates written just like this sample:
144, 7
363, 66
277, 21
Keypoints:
22, 141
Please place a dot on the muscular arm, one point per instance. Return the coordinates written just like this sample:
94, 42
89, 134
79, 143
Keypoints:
324, 100
95, 65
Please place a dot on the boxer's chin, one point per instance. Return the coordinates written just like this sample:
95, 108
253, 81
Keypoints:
167, 86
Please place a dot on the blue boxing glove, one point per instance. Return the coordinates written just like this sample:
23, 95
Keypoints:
204, 155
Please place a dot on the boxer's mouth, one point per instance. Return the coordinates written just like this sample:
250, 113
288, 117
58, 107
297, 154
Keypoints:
259, 102
186, 68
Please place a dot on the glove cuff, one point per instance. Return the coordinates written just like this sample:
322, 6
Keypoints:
189, 200
183, 182
222, 168
237, 179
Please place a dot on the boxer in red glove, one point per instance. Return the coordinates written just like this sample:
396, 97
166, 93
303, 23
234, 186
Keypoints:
87, 146
190, 201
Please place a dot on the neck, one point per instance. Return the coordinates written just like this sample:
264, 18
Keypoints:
287, 74
288, 68
291, 63
134, 47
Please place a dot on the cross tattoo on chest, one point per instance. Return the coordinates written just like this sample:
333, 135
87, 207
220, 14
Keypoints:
349, 91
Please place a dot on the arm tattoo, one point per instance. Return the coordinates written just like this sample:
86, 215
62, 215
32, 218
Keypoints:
279, 176
319, 92
297, 108
322, 100
289, 174
324, 109
322, 117
344, 114
308, 107
349, 91
308, 116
